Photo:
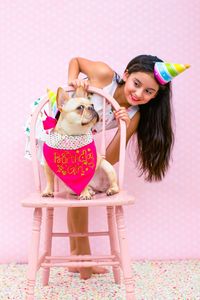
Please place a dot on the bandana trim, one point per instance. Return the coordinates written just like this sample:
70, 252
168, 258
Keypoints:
68, 142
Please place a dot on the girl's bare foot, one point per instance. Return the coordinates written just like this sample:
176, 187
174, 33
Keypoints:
94, 270
85, 273
99, 270
73, 270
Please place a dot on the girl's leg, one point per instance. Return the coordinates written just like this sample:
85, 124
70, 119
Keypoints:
72, 240
78, 222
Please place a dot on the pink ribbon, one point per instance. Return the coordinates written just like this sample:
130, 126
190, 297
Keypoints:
49, 122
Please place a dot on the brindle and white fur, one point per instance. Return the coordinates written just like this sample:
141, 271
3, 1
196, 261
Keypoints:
77, 116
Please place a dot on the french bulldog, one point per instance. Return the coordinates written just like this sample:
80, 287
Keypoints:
73, 129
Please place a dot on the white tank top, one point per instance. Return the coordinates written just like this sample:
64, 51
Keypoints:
109, 116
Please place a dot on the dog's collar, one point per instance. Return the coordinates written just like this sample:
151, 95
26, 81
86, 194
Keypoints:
68, 142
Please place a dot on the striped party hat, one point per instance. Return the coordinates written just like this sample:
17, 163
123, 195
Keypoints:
165, 72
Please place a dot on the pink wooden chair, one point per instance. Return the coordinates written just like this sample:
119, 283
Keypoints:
119, 257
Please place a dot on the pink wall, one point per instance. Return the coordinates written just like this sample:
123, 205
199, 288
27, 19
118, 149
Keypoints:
37, 39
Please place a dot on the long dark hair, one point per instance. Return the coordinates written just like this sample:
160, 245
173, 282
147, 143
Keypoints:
154, 133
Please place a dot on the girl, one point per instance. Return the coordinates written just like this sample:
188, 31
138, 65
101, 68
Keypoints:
144, 96
146, 109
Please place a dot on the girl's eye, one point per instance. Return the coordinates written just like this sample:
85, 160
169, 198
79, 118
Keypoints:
80, 107
136, 83
148, 92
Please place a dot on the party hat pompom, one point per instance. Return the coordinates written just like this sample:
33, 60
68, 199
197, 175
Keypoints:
52, 99
165, 72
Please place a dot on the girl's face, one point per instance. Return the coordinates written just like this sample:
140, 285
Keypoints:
140, 87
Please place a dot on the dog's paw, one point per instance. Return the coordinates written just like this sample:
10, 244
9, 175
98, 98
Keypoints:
91, 191
50, 195
112, 190
48, 192
86, 195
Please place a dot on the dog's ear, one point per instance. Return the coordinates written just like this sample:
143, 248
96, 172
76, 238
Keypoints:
61, 97
81, 92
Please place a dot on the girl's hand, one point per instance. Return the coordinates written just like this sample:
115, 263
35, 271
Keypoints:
122, 114
76, 83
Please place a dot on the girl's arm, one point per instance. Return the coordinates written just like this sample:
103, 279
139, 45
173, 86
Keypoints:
112, 151
98, 73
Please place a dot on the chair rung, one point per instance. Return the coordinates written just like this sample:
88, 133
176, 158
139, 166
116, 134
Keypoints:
80, 257
60, 234
80, 264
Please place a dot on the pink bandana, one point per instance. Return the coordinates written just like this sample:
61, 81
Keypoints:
75, 167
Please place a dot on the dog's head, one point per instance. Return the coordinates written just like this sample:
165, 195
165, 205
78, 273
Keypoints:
77, 113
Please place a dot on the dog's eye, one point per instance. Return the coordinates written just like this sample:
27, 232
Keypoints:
91, 107
81, 107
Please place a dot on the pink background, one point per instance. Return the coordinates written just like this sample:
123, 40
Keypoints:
37, 40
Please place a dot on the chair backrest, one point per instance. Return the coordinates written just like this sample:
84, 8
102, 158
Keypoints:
106, 97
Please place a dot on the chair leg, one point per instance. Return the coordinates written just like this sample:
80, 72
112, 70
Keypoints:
33, 254
114, 243
47, 243
125, 259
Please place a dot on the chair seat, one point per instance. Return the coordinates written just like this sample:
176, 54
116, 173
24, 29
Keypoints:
64, 199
